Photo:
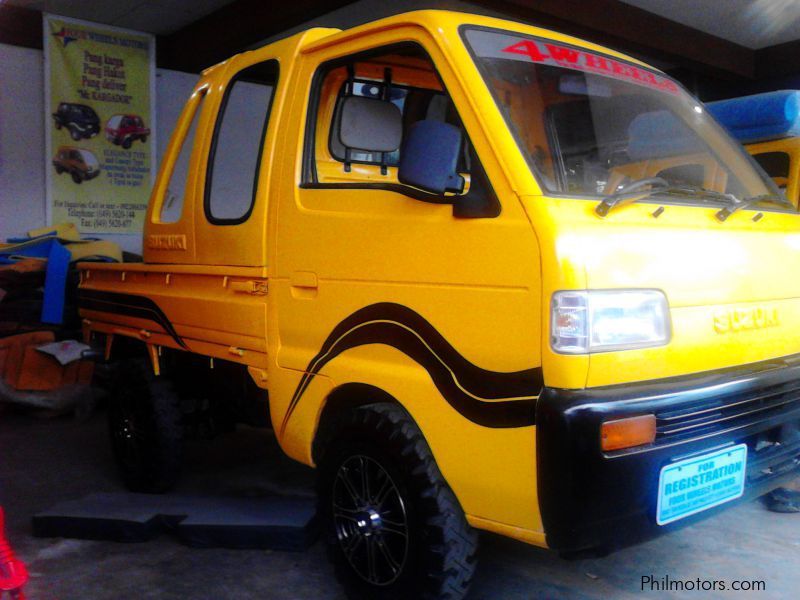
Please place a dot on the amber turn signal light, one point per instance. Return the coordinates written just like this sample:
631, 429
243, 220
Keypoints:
627, 433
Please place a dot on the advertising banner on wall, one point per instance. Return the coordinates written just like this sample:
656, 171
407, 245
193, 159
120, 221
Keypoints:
99, 103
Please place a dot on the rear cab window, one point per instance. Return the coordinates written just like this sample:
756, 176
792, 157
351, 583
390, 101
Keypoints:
236, 148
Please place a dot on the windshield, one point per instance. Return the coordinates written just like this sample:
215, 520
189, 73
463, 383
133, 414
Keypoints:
589, 124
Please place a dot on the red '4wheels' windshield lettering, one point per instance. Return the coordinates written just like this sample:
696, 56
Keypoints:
584, 61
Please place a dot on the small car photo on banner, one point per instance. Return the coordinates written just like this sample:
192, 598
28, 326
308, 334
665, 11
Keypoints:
99, 99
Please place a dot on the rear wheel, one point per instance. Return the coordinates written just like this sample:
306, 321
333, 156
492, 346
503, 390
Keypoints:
58, 124
146, 428
144, 139
394, 527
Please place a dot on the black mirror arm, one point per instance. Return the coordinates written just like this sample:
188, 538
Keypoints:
480, 202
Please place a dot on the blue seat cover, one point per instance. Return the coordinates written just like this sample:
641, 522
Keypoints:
659, 134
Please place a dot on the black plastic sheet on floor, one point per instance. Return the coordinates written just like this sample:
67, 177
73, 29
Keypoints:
271, 522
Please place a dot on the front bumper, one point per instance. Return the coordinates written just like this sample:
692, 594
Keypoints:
596, 501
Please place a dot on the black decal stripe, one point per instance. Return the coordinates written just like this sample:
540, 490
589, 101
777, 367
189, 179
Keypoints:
129, 305
488, 398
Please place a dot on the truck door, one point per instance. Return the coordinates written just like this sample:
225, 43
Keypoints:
378, 283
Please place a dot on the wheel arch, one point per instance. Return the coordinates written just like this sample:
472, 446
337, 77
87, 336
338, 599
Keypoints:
339, 401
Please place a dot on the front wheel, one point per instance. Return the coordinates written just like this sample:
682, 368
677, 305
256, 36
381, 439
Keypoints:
126, 143
394, 527
146, 428
75, 134
76, 178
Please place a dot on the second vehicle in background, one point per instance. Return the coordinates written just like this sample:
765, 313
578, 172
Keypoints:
123, 130
81, 120
769, 127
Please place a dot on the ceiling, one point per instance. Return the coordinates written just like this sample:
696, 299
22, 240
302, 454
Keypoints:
727, 40
754, 24
152, 16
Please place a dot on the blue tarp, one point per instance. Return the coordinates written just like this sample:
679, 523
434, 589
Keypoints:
760, 117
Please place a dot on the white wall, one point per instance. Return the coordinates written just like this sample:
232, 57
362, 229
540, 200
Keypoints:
22, 192
22, 144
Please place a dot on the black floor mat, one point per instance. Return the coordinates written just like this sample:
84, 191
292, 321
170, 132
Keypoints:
274, 522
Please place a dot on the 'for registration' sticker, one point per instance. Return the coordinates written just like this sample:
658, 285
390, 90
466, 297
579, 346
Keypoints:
696, 484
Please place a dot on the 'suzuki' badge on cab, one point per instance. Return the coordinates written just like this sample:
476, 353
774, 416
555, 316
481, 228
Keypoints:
690, 486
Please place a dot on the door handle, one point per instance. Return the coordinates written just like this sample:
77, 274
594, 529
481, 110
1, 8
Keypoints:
303, 285
304, 279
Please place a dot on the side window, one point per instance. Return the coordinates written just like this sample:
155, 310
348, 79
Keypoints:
776, 165
404, 78
172, 206
379, 119
236, 147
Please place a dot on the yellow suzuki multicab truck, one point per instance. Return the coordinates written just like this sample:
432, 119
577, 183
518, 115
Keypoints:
482, 275
768, 125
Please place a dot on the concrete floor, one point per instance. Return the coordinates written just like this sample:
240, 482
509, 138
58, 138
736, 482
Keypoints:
46, 461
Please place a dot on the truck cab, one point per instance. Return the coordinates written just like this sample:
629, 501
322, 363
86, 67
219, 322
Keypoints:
456, 263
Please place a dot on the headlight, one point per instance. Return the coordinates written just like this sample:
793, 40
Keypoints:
601, 321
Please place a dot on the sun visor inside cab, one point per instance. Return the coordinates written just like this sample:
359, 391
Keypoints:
659, 134
760, 117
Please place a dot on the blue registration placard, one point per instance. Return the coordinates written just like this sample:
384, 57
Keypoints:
696, 484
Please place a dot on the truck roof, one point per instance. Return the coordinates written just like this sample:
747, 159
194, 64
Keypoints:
760, 117
436, 22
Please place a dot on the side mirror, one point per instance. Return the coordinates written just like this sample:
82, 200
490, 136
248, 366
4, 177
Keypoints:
429, 158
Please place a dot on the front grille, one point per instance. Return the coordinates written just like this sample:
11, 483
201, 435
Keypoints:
725, 413
772, 461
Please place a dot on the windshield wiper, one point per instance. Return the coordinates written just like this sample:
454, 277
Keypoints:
726, 212
631, 193
657, 185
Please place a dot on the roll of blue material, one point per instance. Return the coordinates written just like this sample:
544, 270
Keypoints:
760, 117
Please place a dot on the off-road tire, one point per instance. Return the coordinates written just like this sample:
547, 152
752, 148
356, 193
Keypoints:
146, 428
440, 556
